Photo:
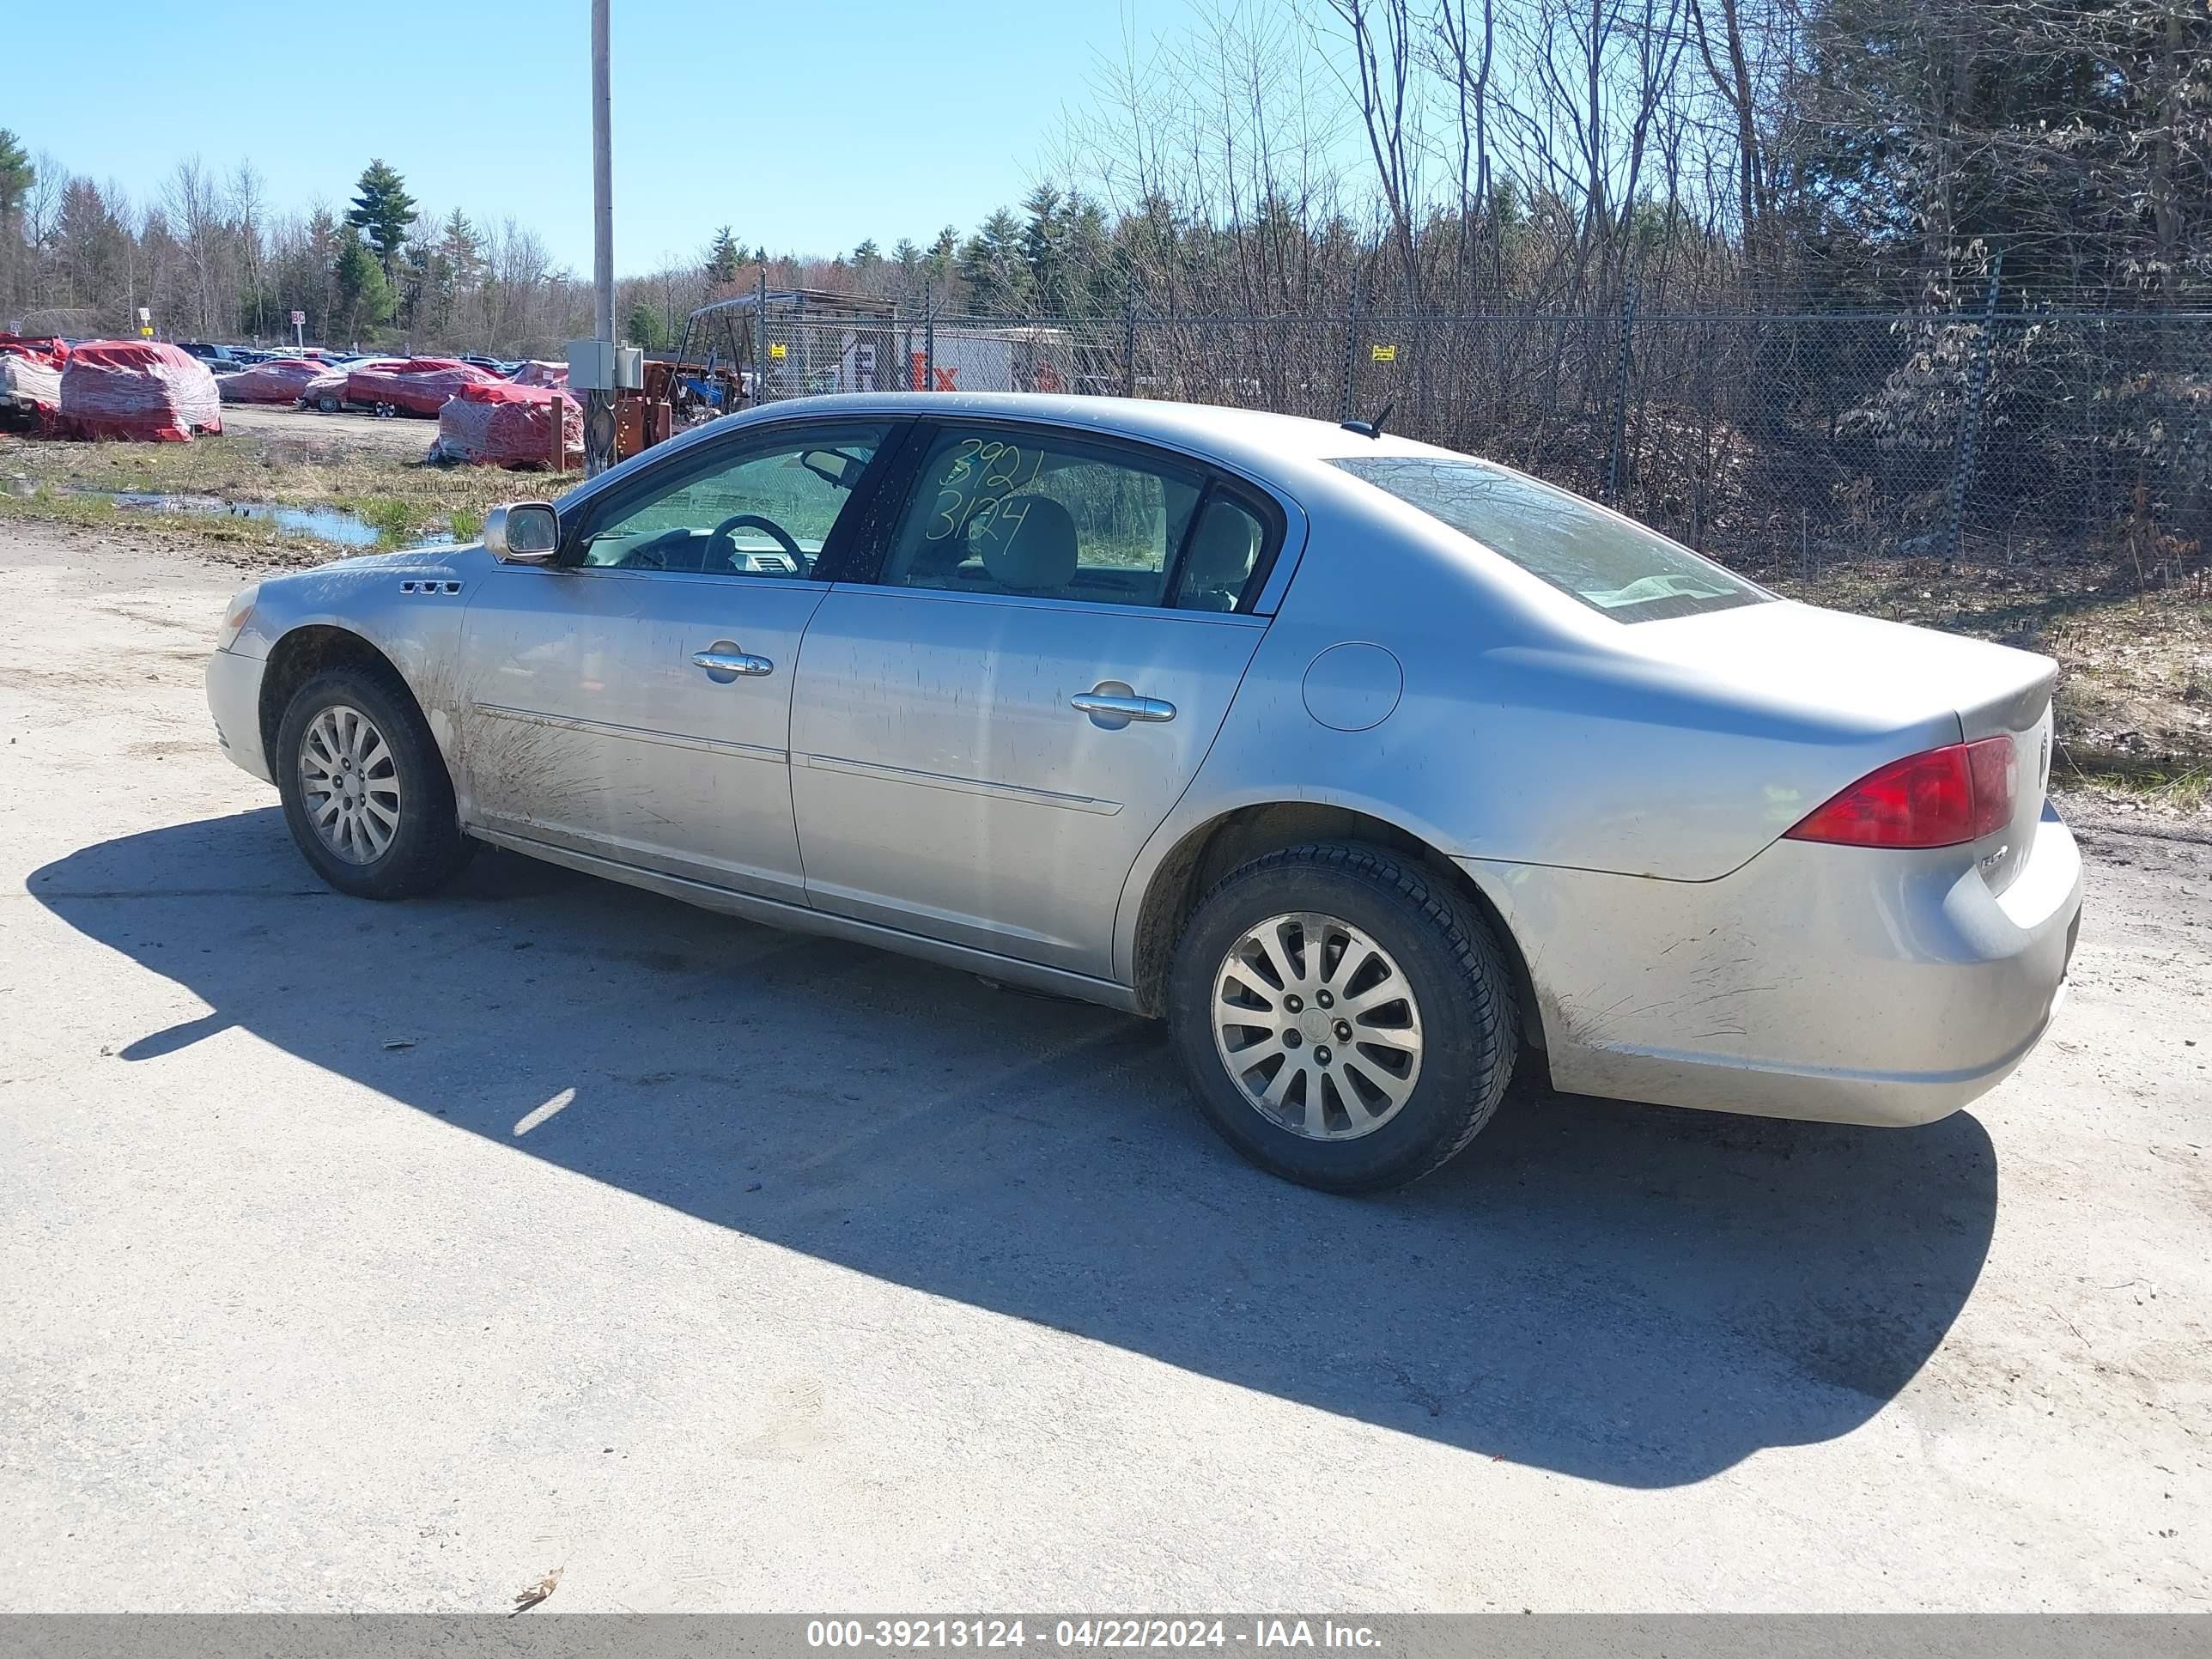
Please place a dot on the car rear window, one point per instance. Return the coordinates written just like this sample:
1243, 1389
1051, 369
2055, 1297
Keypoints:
1612, 564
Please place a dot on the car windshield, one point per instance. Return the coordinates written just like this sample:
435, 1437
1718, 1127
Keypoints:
1612, 564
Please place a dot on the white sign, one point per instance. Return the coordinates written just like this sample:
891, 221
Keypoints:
144, 315
298, 319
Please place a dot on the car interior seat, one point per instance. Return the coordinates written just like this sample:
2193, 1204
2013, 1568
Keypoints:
1040, 555
1219, 560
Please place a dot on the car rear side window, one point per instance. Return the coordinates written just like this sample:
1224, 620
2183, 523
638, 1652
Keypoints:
1612, 564
1033, 513
1223, 554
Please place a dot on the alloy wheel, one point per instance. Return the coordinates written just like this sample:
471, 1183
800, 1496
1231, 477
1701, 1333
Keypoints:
350, 784
1318, 1026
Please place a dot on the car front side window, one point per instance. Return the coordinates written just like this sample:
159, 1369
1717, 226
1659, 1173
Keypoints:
765, 509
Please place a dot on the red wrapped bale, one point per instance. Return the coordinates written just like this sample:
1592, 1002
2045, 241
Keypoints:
498, 423
30, 380
279, 381
417, 385
41, 348
137, 389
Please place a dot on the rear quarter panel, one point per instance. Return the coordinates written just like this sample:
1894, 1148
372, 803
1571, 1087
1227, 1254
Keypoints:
1525, 730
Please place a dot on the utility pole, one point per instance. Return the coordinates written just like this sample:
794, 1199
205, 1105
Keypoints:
599, 413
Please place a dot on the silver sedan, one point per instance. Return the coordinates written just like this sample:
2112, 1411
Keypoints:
1375, 770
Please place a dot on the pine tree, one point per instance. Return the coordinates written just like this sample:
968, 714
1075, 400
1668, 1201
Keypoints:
1044, 240
92, 249
364, 292
384, 210
991, 265
643, 327
17, 175
723, 259
462, 247
455, 266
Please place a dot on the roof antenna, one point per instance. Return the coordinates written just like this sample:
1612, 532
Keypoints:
1370, 428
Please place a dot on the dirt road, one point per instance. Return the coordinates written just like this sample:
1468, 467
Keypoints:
390, 1258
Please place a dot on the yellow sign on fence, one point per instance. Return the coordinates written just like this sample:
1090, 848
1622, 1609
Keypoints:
1384, 354
776, 349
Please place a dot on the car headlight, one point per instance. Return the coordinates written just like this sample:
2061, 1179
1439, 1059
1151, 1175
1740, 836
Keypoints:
236, 616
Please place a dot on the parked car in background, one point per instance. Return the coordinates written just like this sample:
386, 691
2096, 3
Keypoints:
277, 380
327, 390
1376, 769
411, 386
221, 359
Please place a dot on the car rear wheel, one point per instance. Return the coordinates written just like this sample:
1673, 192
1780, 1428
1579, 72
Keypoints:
366, 792
1344, 1017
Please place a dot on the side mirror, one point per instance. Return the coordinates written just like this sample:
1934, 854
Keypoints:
523, 532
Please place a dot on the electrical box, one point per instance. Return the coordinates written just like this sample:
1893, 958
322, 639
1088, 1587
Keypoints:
602, 366
591, 366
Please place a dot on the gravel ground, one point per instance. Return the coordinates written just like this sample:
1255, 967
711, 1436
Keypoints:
368, 1258
367, 435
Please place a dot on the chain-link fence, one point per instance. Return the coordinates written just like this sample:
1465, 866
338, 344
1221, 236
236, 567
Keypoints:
1988, 438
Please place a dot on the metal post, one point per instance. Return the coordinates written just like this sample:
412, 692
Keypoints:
1129, 347
928, 341
1970, 423
1350, 351
760, 334
1612, 459
599, 413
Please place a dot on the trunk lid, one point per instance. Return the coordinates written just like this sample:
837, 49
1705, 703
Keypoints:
1803, 660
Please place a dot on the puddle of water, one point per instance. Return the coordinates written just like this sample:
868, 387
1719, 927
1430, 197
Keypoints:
326, 524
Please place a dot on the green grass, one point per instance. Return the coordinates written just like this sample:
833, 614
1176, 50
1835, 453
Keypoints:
396, 523
2184, 789
402, 497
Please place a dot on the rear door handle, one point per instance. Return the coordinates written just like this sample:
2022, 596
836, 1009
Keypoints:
723, 662
1112, 705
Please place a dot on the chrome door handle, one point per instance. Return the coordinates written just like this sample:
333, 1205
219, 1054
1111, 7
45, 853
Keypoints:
1114, 705
723, 662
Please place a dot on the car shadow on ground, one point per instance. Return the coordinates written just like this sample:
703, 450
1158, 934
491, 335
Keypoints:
1626, 1294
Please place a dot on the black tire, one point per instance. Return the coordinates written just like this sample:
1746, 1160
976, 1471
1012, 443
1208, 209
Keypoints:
428, 847
1469, 1018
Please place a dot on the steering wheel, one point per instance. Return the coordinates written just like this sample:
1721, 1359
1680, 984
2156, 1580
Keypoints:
721, 550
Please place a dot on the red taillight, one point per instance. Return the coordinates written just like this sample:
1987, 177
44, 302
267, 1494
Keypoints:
1938, 798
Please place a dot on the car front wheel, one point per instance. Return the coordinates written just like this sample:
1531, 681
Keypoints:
366, 792
1343, 1015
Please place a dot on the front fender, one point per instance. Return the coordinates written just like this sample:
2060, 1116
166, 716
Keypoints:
407, 606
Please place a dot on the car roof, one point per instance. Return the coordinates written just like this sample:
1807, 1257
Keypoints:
1258, 439
1275, 448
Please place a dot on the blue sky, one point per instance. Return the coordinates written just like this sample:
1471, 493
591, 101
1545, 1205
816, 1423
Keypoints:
807, 123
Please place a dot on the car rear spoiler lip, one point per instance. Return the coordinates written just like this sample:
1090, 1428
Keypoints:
2014, 706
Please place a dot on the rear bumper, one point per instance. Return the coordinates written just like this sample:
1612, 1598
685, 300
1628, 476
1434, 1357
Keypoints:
234, 693
1841, 984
